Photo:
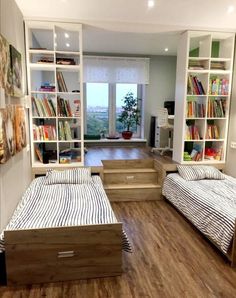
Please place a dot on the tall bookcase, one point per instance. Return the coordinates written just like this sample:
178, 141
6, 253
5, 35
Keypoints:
202, 96
55, 85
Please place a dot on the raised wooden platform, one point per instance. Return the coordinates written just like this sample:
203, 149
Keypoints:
131, 180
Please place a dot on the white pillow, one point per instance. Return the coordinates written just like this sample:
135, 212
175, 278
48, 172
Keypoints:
72, 176
192, 173
213, 173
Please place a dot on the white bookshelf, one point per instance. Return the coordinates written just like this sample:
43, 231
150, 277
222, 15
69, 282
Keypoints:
202, 96
54, 59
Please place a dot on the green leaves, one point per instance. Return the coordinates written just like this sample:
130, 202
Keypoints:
131, 114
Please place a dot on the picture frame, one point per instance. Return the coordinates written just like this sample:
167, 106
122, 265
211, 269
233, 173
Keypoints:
5, 66
16, 69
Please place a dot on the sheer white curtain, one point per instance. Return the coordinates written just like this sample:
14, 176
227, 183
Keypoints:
105, 69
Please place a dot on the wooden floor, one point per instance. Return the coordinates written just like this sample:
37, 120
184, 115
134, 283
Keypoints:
170, 259
95, 154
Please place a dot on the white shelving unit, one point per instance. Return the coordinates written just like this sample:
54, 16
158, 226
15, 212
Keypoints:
55, 85
202, 96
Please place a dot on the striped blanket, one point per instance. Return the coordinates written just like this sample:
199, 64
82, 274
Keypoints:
209, 204
61, 205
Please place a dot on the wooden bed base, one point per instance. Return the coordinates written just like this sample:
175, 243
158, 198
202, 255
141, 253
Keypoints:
166, 168
65, 253
231, 255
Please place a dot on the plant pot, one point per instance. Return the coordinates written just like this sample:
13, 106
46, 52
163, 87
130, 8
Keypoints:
127, 134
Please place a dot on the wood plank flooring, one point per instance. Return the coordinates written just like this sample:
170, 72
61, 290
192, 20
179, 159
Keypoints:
170, 259
95, 154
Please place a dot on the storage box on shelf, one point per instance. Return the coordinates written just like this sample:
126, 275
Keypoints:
54, 66
203, 87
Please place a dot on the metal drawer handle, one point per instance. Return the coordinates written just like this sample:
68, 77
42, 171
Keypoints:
129, 177
66, 254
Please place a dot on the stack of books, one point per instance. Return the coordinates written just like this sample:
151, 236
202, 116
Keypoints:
195, 109
218, 65
63, 107
44, 133
61, 82
196, 64
216, 108
195, 86
218, 86
192, 132
47, 87
64, 131
65, 61
43, 107
212, 132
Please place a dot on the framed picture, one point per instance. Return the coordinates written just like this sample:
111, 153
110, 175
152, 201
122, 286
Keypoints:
16, 68
20, 126
5, 66
7, 133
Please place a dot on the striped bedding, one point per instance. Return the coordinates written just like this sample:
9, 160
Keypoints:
61, 205
209, 204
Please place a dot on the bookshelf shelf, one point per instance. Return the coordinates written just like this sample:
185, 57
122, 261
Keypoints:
68, 93
56, 113
67, 67
44, 117
42, 66
42, 141
70, 141
38, 51
68, 53
42, 92
203, 89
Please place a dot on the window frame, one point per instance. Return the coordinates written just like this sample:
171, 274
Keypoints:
112, 109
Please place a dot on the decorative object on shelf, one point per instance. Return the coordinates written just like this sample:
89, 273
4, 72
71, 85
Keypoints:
113, 137
130, 115
16, 68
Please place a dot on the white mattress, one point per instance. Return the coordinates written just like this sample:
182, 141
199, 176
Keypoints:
209, 204
61, 205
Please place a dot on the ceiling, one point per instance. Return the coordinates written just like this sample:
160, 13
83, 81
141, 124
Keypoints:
130, 27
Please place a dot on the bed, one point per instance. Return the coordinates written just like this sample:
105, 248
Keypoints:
210, 204
63, 231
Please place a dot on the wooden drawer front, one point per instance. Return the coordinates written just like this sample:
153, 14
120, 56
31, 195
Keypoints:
130, 178
118, 195
58, 254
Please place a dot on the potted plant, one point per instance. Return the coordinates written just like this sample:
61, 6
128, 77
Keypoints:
130, 115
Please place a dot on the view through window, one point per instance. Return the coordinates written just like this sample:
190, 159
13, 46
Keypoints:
97, 108
104, 106
121, 91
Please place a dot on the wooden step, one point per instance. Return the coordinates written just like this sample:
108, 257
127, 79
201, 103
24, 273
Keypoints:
128, 195
120, 193
128, 163
130, 186
129, 177
141, 170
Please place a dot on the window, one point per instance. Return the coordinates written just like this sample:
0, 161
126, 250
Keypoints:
104, 104
97, 108
121, 91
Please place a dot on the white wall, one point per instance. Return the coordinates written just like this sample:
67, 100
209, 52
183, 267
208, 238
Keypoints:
15, 175
161, 86
231, 153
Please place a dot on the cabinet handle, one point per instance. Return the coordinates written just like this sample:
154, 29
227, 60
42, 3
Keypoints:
129, 177
66, 254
